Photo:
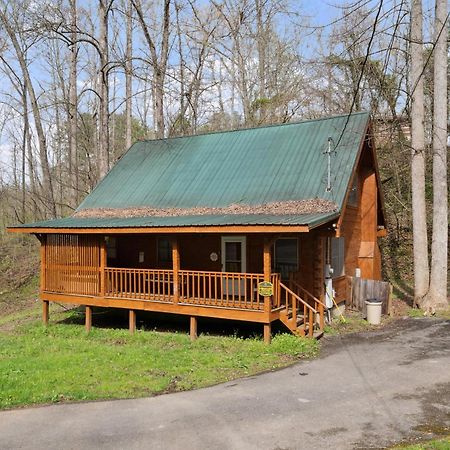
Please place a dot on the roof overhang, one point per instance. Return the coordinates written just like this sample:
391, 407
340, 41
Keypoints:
168, 230
70, 225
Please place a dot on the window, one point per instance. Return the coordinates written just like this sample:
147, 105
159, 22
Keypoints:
353, 196
286, 256
337, 256
164, 250
233, 257
111, 247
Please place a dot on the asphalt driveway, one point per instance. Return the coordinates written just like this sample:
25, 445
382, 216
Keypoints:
366, 391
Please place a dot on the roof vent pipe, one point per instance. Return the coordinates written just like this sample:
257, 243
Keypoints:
328, 153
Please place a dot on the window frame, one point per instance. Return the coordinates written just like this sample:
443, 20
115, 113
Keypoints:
274, 259
169, 250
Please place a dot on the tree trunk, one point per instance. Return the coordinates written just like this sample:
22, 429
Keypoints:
158, 103
421, 269
103, 140
159, 64
129, 76
46, 176
436, 297
261, 44
73, 109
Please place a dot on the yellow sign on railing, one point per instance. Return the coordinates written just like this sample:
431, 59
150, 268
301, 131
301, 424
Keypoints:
265, 289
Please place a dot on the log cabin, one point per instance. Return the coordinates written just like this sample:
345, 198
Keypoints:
258, 225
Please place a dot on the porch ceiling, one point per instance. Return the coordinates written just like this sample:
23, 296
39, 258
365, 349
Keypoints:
181, 223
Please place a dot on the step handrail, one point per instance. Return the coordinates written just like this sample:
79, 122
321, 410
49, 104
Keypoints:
298, 298
308, 293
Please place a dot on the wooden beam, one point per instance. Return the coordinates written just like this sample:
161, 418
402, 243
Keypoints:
267, 333
267, 259
45, 312
232, 229
244, 315
267, 265
88, 315
176, 269
132, 320
43, 252
193, 328
103, 263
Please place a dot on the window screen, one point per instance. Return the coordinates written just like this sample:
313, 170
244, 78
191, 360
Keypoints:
111, 247
337, 256
286, 256
164, 250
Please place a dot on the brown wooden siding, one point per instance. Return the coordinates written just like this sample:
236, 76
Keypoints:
359, 224
72, 264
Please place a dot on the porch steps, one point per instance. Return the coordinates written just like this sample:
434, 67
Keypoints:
298, 326
295, 325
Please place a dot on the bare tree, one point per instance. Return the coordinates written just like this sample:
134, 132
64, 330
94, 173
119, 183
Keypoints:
73, 106
158, 61
103, 51
436, 298
7, 20
419, 216
129, 74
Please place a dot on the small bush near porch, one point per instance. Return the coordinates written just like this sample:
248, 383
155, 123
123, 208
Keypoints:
62, 363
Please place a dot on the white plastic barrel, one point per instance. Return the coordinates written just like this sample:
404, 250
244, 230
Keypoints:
373, 311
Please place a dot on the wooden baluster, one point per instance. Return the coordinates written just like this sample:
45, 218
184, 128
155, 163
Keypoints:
140, 275
188, 285
210, 289
319, 307
198, 287
294, 308
204, 289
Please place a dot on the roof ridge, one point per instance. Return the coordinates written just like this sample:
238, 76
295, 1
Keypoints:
273, 125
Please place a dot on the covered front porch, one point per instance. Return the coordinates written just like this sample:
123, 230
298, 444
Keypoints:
251, 278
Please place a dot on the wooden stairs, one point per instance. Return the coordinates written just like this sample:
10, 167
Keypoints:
301, 317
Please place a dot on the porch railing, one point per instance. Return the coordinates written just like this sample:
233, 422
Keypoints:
139, 284
220, 289
299, 309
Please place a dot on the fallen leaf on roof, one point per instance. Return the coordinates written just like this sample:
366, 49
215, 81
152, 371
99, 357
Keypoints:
283, 208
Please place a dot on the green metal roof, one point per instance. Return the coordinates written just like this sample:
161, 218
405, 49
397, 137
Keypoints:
186, 221
248, 166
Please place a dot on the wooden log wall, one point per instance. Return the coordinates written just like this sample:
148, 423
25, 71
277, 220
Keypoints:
71, 264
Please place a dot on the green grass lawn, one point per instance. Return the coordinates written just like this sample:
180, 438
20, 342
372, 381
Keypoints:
435, 444
62, 363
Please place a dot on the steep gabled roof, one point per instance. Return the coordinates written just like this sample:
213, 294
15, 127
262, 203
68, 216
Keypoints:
254, 166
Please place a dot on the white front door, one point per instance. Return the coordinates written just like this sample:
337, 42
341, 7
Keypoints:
234, 252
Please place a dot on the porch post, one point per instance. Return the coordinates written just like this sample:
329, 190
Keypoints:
176, 269
43, 239
102, 267
267, 333
45, 303
267, 270
193, 328
267, 277
88, 318
132, 320
45, 308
